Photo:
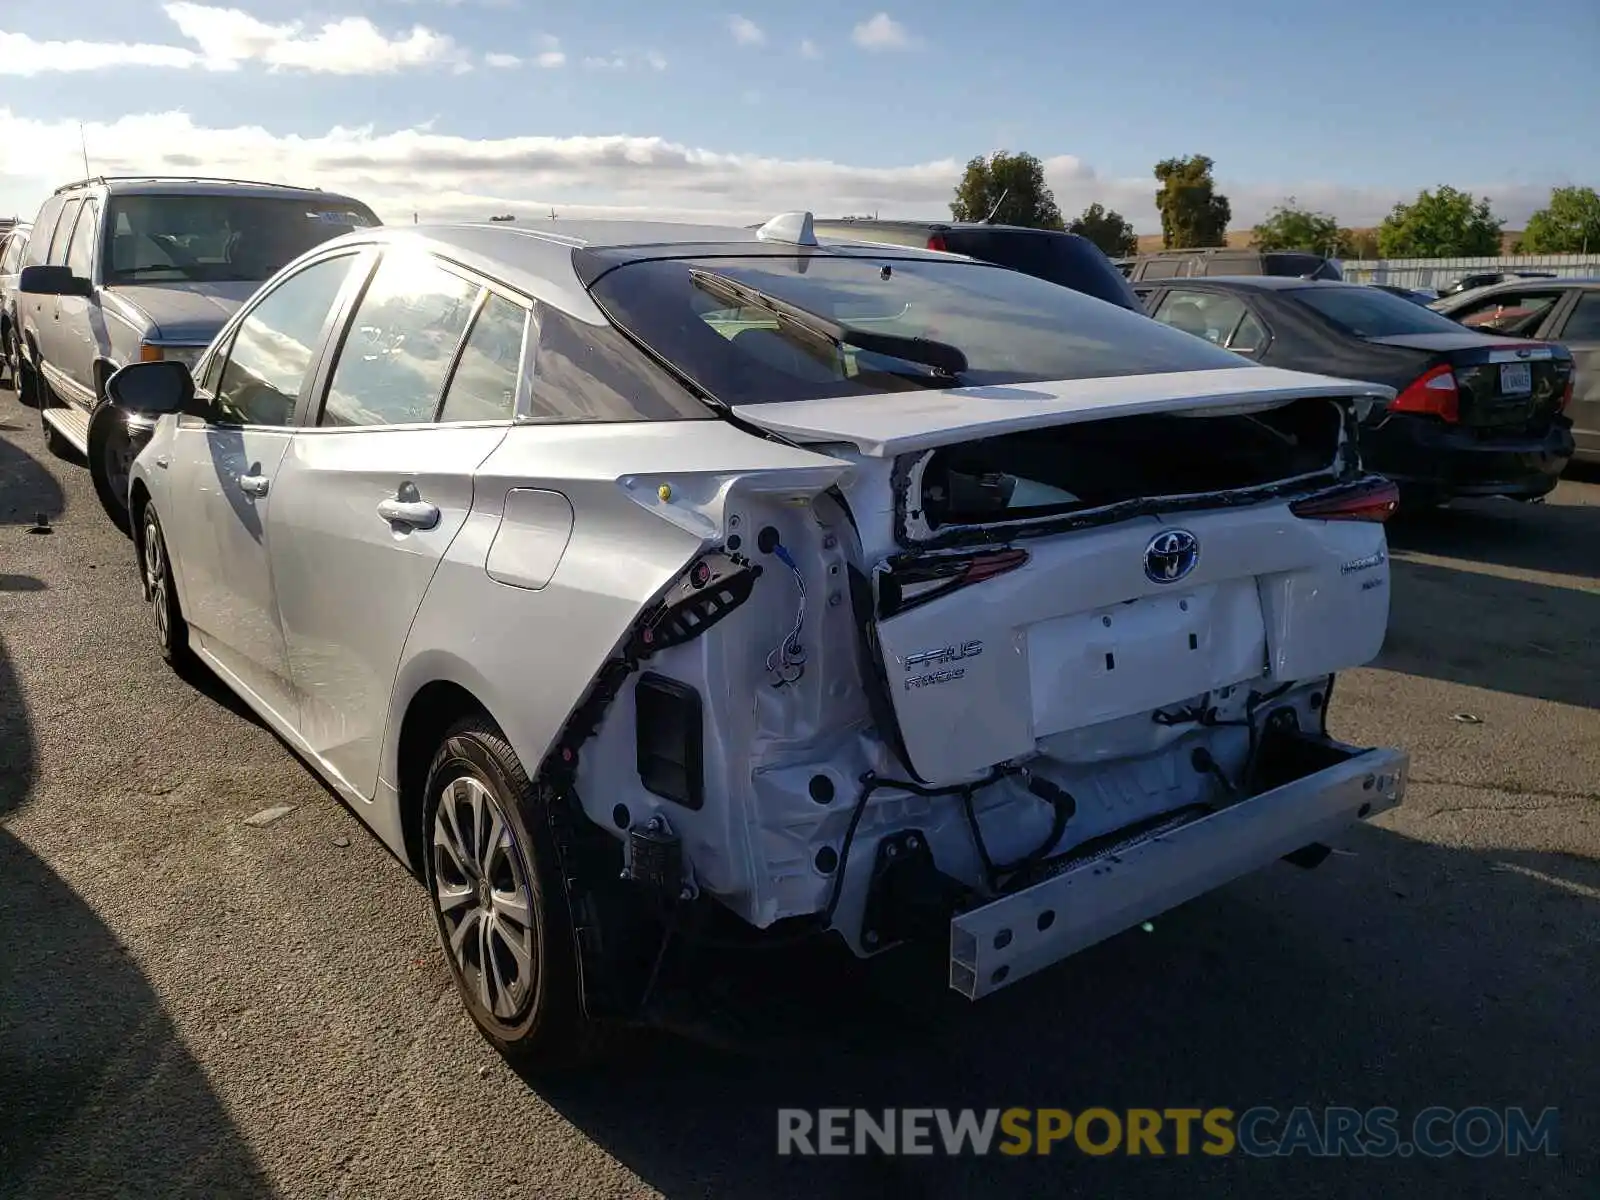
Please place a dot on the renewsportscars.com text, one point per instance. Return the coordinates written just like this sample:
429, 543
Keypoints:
1258, 1132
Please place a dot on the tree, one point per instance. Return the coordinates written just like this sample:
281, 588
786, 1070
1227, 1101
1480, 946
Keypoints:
1358, 243
1106, 228
1442, 224
1192, 214
1012, 187
1290, 227
1569, 224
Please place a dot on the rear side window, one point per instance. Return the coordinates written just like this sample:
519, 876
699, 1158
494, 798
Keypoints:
13, 255
1368, 313
1162, 268
1210, 315
1229, 264
586, 373
43, 227
1584, 323
1515, 313
399, 345
1010, 327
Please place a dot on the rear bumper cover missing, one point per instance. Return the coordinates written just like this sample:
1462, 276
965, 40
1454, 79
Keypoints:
1002, 942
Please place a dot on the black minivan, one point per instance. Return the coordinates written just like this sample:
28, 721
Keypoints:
1069, 259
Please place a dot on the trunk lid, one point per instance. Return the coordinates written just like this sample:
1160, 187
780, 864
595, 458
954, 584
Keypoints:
895, 423
1503, 384
1065, 554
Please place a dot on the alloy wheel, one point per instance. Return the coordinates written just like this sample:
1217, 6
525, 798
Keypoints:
483, 895
155, 573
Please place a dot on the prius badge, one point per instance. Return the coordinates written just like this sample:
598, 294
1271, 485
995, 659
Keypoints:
1171, 555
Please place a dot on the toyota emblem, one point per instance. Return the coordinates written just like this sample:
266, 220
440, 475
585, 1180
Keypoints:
1171, 555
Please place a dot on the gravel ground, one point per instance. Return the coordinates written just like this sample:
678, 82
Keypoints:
193, 1006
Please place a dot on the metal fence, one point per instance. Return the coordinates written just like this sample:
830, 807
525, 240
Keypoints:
1436, 272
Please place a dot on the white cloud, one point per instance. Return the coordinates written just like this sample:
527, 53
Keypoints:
614, 62
657, 60
223, 39
503, 61
445, 177
808, 49
882, 32
22, 55
745, 31
550, 52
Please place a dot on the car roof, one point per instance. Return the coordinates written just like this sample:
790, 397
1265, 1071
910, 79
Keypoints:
961, 226
1259, 283
175, 185
554, 260
1525, 283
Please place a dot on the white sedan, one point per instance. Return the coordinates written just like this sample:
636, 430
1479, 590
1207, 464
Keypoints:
624, 577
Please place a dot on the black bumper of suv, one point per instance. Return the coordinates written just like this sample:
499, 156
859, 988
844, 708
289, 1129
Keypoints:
1435, 461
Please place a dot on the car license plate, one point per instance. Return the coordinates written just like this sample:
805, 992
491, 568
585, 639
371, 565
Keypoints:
1516, 379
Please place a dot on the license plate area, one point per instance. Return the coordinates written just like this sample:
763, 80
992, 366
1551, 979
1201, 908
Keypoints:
1516, 379
1155, 651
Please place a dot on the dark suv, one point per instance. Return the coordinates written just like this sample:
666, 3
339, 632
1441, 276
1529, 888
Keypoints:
1189, 264
1069, 259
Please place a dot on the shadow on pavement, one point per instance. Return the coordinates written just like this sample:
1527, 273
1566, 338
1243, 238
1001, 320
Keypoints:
98, 1096
1559, 538
1505, 635
1432, 956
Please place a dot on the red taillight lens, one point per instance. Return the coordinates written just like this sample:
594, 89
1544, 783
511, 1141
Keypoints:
1434, 392
1566, 394
1373, 500
936, 242
919, 582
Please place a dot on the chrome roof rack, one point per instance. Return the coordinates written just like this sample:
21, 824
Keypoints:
93, 179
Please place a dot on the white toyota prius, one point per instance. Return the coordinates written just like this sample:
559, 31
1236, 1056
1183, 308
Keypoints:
638, 581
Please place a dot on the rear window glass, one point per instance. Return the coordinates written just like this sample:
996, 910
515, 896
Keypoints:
1079, 265
219, 238
1012, 328
1369, 313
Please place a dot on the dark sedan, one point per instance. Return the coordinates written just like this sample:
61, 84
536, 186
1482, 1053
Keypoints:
1473, 415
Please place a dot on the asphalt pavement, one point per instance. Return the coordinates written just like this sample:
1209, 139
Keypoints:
191, 1006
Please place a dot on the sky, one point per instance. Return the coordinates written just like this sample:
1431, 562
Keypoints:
461, 109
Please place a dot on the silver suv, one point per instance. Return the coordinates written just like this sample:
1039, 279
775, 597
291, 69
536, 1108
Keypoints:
135, 269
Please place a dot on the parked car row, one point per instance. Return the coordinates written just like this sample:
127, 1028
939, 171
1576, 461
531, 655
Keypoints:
1474, 413
641, 583
117, 270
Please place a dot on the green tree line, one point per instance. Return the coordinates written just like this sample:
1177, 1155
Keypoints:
1444, 222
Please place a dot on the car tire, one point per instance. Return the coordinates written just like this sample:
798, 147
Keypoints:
108, 460
502, 909
11, 348
161, 593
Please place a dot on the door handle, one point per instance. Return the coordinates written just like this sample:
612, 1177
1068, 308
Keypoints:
253, 485
416, 514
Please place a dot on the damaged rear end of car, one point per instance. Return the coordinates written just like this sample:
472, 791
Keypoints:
1047, 652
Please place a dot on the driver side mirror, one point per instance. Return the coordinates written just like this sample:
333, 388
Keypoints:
155, 388
53, 281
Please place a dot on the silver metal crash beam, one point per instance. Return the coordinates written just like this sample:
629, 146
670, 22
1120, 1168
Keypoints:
1017, 935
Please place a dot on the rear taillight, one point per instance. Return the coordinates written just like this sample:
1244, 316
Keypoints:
1434, 392
936, 242
1370, 500
1566, 394
919, 582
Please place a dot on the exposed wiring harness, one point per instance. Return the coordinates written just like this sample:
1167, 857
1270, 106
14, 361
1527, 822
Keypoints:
788, 660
